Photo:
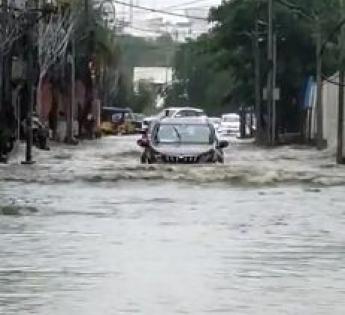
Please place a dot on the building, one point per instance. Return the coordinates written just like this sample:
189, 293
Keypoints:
330, 100
159, 78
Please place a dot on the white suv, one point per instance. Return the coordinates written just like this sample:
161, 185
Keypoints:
230, 124
175, 112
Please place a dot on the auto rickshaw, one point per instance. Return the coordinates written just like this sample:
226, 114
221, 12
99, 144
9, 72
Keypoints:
117, 121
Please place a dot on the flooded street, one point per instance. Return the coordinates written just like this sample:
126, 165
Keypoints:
88, 230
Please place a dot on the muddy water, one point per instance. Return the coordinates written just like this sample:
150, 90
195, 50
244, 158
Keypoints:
89, 231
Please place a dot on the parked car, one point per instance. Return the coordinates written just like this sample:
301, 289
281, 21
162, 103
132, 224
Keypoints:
230, 124
175, 112
181, 140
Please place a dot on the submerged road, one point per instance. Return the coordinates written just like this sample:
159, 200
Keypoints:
88, 230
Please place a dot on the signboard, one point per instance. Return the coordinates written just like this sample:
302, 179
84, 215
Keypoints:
276, 94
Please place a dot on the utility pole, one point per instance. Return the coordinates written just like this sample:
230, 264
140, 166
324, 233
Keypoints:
3, 79
70, 120
30, 85
319, 109
7, 65
274, 105
257, 84
270, 85
340, 140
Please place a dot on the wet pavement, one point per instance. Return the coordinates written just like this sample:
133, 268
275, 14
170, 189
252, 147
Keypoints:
88, 230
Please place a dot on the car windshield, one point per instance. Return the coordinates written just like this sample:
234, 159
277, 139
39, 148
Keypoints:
192, 134
230, 119
167, 113
189, 113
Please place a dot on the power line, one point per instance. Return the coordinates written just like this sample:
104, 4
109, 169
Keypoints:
184, 4
325, 78
160, 11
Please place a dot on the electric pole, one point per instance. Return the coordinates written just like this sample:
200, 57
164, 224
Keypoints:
319, 109
30, 89
71, 111
3, 79
340, 139
257, 83
270, 83
274, 105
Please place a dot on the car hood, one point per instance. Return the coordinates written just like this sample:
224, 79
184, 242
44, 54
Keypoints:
182, 149
151, 118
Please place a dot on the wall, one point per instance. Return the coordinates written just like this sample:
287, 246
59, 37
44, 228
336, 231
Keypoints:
330, 112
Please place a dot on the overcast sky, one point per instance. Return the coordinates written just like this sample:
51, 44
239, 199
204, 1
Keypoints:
175, 6
180, 3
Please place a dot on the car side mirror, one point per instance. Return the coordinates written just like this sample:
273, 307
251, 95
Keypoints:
222, 144
144, 143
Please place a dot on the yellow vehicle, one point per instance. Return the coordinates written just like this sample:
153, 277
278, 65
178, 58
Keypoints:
117, 121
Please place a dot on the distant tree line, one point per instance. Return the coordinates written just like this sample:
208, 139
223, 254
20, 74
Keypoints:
216, 71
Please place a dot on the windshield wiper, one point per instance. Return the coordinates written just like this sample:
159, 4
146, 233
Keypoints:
178, 134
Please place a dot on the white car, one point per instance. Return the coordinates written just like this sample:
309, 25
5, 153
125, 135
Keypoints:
230, 124
175, 112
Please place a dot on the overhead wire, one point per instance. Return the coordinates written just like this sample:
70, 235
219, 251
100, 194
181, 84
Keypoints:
184, 4
329, 80
148, 9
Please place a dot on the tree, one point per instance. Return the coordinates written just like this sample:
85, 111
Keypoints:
144, 98
53, 41
12, 26
198, 79
225, 54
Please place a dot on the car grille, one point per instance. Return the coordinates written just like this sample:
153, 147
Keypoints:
180, 160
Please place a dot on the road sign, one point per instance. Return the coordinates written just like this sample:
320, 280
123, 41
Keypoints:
276, 94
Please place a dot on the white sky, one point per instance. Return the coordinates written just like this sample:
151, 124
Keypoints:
140, 17
182, 3
175, 6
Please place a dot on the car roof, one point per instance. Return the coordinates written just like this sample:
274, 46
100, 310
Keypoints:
185, 108
184, 121
231, 115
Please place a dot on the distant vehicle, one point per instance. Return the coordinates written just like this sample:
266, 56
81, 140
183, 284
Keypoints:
182, 140
175, 112
117, 120
216, 121
138, 121
230, 124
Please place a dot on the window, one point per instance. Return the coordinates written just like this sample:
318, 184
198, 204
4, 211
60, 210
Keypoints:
189, 113
193, 134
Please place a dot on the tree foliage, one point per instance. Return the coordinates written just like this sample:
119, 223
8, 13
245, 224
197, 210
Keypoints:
216, 71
